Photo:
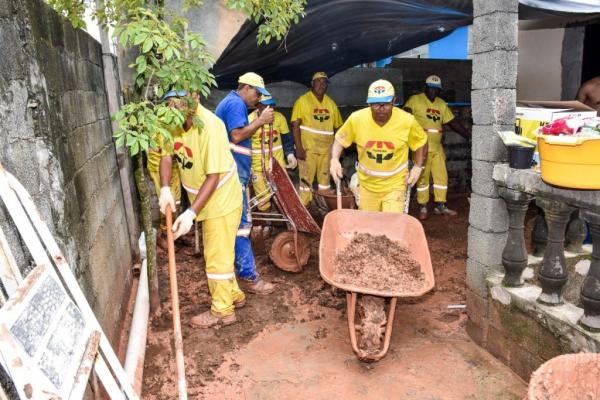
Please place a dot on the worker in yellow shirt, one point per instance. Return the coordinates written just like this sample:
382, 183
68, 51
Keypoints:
315, 117
383, 135
152, 166
283, 147
433, 114
209, 176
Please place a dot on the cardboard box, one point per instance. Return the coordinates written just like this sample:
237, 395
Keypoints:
530, 114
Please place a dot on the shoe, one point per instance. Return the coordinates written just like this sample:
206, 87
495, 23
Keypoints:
207, 320
259, 287
442, 209
423, 213
239, 304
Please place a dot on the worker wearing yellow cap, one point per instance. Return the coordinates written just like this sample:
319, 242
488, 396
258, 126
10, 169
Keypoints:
233, 111
283, 147
433, 114
315, 118
383, 135
209, 176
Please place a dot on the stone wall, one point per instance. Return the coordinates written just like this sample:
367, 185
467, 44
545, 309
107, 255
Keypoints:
55, 137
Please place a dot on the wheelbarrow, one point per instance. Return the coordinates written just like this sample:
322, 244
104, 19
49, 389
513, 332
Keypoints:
290, 250
339, 227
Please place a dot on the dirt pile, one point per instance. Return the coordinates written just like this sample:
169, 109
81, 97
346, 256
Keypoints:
378, 263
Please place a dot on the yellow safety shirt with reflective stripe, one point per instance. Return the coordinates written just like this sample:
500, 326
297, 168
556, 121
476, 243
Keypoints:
280, 127
207, 152
431, 116
382, 150
319, 121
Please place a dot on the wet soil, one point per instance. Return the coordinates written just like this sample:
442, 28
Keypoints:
378, 263
294, 343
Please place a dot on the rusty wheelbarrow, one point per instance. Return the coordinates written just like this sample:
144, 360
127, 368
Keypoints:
290, 249
339, 228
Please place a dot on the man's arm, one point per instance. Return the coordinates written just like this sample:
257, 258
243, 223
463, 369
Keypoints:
458, 128
420, 155
300, 153
165, 170
582, 94
206, 190
243, 133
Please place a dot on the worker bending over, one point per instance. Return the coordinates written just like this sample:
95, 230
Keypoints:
233, 110
383, 135
283, 145
433, 113
208, 175
315, 117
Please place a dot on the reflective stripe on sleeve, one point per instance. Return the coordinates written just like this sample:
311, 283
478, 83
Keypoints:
221, 277
318, 132
382, 173
432, 130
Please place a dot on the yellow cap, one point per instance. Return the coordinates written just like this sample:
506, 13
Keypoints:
433, 81
318, 75
252, 79
381, 91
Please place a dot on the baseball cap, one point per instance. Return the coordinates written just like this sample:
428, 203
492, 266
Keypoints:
381, 91
433, 81
174, 93
318, 75
252, 79
267, 100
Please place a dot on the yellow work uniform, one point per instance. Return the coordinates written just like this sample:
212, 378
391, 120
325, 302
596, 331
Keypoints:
153, 166
199, 154
431, 116
319, 120
382, 156
280, 128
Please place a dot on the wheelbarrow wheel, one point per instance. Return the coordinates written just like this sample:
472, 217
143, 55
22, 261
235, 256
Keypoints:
283, 251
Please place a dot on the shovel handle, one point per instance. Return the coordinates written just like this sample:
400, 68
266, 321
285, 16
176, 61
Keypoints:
338, 193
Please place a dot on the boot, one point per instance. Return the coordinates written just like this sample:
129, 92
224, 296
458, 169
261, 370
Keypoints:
423, 212
207, 320
260, 286
442, 209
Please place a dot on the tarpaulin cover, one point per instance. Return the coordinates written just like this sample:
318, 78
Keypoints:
339, 34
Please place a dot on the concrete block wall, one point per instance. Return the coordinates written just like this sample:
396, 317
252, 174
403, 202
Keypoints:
55, 137
493, 99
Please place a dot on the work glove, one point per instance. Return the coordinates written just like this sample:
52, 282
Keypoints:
165, 199
183, 223
413, 175
291, 161
335, 169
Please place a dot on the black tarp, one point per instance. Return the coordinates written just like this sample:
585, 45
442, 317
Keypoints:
339, 34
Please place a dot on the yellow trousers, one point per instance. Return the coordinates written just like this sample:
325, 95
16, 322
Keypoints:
435, 168
218, 237
386, 201
153, 167
259, 184
314, 165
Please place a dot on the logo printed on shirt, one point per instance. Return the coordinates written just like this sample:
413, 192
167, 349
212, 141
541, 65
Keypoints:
433, 114
380, 150
321, 114
183, 155
275, 136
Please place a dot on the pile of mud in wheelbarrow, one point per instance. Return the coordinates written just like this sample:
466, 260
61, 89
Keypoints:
374, 257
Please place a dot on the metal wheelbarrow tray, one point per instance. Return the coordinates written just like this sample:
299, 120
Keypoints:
340, 227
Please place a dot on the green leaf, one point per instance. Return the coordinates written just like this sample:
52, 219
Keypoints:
120, 140
147, 45
134, 149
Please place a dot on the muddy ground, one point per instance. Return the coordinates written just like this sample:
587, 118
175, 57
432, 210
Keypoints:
294, 343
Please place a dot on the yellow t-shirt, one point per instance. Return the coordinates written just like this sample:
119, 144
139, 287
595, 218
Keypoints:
207, 152
280, 128
319, 121
382, 150
431, 116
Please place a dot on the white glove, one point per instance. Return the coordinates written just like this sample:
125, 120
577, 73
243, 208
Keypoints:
291, 161
335, 169
183, 223
413, 175
165, 199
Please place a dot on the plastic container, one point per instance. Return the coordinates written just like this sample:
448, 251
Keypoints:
520, 157
570, 162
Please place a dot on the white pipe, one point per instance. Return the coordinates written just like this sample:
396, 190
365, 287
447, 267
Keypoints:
136, 346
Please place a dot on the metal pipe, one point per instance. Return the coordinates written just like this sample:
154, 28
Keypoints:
136, 345
181, 382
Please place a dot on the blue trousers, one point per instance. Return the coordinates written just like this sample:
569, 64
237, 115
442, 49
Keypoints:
245, 266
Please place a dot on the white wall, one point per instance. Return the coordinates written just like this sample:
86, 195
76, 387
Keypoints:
539, 72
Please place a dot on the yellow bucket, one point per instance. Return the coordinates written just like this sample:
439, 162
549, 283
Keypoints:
570, 162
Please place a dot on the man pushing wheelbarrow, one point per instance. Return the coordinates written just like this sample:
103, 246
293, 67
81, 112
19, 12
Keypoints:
383, 135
